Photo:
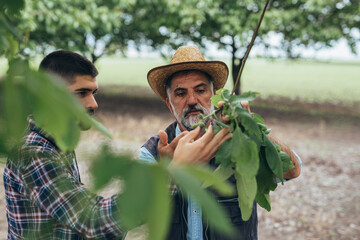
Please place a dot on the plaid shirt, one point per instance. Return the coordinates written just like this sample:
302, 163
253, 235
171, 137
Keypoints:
45, 198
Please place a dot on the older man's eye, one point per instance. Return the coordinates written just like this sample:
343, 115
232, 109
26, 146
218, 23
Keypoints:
200, 90
179, 94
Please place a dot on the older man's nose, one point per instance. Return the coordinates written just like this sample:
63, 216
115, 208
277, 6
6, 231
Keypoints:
192, 100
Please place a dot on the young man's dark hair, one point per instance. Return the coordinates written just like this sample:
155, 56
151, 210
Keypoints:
67, 65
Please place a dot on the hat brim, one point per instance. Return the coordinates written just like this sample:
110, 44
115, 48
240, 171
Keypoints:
157, 76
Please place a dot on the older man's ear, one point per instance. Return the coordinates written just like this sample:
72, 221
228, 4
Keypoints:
167, 101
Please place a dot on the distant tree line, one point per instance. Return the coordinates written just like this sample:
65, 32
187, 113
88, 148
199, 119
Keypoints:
98, 27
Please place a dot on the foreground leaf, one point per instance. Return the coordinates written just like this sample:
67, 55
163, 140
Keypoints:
159, 210
145, 194
210, 178
212, 211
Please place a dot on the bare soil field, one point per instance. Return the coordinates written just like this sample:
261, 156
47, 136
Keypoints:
323, 203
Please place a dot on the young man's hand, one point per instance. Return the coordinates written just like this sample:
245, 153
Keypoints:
202, 150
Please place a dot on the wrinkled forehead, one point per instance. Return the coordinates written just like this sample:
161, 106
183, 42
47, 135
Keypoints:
188, 78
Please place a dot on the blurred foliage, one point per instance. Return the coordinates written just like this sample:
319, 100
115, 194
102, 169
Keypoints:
145, 195
24, 91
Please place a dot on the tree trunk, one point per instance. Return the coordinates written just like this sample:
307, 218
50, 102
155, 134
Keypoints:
236, 64
94, 58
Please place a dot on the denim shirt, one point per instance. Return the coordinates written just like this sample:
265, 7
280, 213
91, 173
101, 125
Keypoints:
194, 213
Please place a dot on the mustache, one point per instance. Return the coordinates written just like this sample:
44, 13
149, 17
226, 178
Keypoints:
190, 108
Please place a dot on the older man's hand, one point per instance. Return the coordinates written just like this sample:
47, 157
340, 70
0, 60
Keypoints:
202, 150
167, 149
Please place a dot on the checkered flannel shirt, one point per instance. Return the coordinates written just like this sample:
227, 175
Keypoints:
45, 198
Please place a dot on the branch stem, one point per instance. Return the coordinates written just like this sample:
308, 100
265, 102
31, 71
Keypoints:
250, 46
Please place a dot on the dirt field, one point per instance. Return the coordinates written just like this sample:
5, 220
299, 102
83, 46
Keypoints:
323, 203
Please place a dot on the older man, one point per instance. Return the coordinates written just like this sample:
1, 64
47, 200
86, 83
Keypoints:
186, 85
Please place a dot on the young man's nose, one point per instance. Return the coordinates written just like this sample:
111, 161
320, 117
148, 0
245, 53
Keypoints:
91, 103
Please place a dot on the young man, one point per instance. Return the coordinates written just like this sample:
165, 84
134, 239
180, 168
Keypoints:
186, 86
44, 195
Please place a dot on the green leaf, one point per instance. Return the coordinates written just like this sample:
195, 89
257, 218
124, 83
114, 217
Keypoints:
265, 178
215, 99
224, 93
221, 123
106, 165
100, 127
134, 200
15, 110
145, 197
286, 161
212, 211
244, 154
257, 118
224, 172
216, 129
159, 210
260, 121
247, 96
250, 126
263, 199
223, 155
13, 6
246, 188
273, 158
211, 178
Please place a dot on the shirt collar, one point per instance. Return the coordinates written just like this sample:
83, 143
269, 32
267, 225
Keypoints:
177, 130
32, 127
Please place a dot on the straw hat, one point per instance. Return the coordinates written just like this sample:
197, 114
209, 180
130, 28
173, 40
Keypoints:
187, 58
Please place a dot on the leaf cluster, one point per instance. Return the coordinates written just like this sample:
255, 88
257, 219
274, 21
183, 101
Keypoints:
254, 160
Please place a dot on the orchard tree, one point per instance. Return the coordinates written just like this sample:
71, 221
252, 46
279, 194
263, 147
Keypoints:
230, 25
315, 23
86, 26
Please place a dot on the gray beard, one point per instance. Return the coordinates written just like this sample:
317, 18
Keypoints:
192, 119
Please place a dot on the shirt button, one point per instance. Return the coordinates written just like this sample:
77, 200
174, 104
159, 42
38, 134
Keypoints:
195, 211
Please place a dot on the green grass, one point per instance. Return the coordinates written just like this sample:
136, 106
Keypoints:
126, 71
303, 80
308, 81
